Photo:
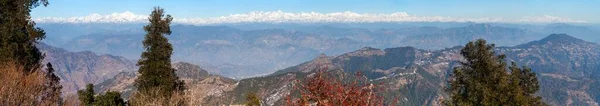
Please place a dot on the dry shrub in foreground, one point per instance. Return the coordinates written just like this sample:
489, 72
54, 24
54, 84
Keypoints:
146, 99
71, 100
325, 90
22, 89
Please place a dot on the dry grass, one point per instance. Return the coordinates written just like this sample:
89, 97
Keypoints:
71, 100
20, 89
145, 99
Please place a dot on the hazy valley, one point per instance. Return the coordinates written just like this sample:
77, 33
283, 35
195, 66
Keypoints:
230, 51
409, 68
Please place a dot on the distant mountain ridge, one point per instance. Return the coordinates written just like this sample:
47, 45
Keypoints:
557, 38
461, 35
566, 67
238, 53
417, 76
562, 53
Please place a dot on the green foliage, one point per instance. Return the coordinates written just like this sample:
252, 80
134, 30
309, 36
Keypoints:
87, 96
18, 39
527, 81
155, 63
18, 34
483, 80
109, 99
252, 99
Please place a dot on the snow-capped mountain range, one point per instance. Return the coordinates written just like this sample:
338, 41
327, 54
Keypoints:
301, 17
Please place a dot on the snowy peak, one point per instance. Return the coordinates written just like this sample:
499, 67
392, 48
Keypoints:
300, 17
125, 17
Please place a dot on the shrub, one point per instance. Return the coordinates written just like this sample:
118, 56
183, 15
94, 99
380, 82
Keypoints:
110, 98
324, 90
148, 99
252, 99
22, 89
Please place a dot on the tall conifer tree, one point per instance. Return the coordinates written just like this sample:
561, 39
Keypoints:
18, 34
53, 87
157, 75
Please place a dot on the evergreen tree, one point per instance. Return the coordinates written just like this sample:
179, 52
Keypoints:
483, 79
18, 34
52, 86
109, 99
157, 75
525, 79
86, 97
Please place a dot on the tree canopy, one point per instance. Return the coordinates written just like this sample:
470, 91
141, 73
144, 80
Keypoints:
484, 79
18, 34
86, 97
110, 98
155, 63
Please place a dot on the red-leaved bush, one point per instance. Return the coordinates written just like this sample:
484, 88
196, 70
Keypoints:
322, 89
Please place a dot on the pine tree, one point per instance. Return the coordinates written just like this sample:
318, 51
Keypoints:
484, 79
18, 34
52, 86
525, 79
157, 75
109, 99
86, 97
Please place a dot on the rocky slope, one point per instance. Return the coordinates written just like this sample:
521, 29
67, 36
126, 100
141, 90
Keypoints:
201, 85
565, 65
76, 69
412, 75
568, 67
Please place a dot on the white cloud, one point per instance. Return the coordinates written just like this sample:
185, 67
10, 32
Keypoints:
302, 17
548, 19
314, 17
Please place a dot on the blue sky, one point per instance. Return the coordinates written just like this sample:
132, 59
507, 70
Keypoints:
586, 10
